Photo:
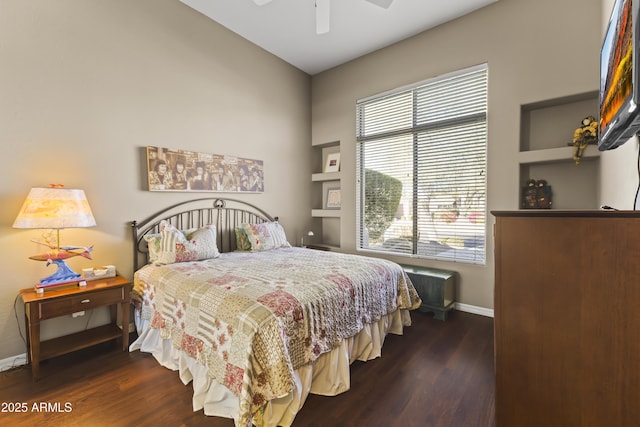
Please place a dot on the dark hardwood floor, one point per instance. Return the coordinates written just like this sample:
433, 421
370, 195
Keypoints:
436, 374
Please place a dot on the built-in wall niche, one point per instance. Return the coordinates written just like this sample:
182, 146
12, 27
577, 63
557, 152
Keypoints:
550, 123
546, 150
573, 187
325, 181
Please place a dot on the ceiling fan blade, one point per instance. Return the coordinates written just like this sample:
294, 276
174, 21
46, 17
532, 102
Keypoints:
261, 2
382, 3
322, 16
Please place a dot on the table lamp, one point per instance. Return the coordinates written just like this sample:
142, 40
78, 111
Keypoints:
310, 234
56, 208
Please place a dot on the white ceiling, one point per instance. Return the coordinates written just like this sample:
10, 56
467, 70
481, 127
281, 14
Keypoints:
287, 28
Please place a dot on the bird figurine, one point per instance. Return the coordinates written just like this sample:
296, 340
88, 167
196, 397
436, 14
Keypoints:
58, 255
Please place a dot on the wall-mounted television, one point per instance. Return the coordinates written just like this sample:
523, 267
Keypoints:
620, 77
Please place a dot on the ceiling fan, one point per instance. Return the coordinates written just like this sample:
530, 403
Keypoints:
322, 11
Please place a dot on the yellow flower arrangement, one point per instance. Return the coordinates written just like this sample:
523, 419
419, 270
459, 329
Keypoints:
586, 134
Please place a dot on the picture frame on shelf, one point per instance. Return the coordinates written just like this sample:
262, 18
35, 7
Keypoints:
333, 198
333, 163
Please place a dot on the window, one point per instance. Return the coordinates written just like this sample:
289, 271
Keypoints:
422, 160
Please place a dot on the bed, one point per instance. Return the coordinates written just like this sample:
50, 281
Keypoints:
252, 322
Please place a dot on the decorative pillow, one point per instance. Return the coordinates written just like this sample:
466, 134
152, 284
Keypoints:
196, 245
154, 246
278, 234
242, 241
265, 236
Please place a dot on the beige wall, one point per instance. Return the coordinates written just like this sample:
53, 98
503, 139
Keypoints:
86, 84
536, 50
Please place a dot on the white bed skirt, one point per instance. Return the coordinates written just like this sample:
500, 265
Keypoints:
328, 375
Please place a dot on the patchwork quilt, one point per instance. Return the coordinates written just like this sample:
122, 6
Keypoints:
252, 318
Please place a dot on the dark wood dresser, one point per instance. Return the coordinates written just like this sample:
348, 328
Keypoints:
567, 318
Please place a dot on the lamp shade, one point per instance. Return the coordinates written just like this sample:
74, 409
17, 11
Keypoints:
55, 208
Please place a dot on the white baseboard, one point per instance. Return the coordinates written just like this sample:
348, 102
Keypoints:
488, 312
21, 359
13, 362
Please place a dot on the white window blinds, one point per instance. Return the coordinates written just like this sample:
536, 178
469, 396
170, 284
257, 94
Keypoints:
422, 168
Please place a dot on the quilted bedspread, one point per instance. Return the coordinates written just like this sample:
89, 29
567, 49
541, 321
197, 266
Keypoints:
252, 318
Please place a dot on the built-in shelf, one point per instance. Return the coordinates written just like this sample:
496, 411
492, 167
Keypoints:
546, 132
327, 221
552, 155
331, 176
325, 213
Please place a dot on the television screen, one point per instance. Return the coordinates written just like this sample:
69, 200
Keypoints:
619, 114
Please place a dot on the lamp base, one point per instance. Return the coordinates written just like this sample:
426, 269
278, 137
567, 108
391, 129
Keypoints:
64, 274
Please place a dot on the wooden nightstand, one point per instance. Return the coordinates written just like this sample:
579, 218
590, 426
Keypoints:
66, 300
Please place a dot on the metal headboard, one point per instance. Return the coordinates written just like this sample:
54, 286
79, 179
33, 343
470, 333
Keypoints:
226, 214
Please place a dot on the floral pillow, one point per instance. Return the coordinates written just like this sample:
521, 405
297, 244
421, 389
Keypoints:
265, 236
242, 241
154, 242
194, 245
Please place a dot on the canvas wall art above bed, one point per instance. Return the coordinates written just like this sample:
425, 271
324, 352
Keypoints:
260, 325
170, 169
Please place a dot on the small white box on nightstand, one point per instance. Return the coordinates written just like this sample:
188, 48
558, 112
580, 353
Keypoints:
99, 272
